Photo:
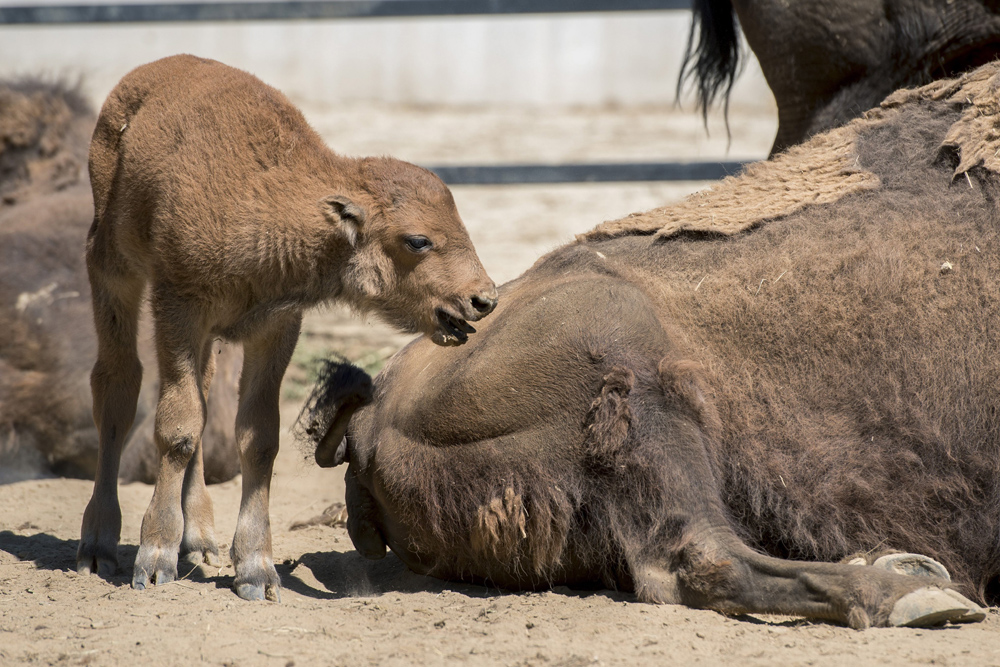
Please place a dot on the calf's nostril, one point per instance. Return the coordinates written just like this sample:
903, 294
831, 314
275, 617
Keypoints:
482, 305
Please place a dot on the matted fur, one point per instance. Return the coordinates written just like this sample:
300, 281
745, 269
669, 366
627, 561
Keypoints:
820, 384
819, 172
825, 168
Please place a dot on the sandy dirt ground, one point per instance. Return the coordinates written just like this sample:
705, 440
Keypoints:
339, 609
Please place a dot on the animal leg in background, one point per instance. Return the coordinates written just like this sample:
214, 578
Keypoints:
265, 358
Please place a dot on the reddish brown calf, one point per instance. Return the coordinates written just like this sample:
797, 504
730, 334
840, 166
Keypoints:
212, 192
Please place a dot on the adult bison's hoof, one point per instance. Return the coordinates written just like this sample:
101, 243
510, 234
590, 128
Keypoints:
154, 567
915, 565
930, 607
254, 592
257, 582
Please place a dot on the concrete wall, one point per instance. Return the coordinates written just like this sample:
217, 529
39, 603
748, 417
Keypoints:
626, 59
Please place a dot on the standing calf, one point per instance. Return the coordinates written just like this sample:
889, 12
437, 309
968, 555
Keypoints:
211, 188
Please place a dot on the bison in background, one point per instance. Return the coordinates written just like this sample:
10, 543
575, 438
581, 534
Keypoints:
47, 343
800, 364
828, 62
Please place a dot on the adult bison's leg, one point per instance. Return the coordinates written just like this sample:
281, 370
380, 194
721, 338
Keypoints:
678, 541
265, 358
115, 383
180, 420
715, 570
198, 544
362, 517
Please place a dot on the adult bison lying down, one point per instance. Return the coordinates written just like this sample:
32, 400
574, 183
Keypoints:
797, 365
47, 343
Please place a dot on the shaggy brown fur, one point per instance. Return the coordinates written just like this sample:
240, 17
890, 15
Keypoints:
211, 189
697, 414
46, 336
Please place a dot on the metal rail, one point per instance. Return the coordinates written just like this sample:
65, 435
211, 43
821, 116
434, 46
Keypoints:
293, 10
318, 9
513, 174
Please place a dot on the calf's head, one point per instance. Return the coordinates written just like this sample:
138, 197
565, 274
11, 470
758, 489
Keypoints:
413, 263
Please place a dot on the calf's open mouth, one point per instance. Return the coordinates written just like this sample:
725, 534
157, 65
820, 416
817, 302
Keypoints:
452, 330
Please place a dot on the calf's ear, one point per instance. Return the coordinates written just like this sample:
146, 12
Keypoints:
345, 214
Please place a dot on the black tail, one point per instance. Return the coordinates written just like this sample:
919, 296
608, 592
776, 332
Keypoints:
714, 62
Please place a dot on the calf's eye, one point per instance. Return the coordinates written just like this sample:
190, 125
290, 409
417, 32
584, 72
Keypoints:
418, 243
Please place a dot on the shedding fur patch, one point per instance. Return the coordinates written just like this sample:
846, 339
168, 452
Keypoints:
500, 526
823, 169
610, 418
976, 135
820, 171
532, 540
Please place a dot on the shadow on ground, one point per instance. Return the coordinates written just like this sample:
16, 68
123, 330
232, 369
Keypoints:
48, 552
351, 575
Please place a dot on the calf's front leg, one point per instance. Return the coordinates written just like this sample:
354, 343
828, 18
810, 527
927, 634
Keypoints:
265, 358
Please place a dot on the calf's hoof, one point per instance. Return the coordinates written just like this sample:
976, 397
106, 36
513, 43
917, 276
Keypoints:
258, 582
196, 554
932, 606
94, 558
99, 536
154, 566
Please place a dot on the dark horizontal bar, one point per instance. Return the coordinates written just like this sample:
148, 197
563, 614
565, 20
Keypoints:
511, 174
318, 9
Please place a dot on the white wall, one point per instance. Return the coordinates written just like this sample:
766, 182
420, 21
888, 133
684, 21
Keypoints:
623, 59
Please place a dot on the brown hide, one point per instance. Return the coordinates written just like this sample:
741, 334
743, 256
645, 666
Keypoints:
680, 412
46, 326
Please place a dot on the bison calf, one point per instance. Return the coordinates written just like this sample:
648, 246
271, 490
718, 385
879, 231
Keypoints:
212, 191
797, 365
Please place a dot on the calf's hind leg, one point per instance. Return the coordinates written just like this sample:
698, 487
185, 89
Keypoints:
265, 358
115, 382
180, 419
198, 544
